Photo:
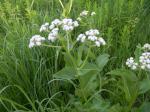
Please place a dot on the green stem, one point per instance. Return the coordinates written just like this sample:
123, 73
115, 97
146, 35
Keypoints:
52, 46
61, 4
139, 74
86, 58
68, 44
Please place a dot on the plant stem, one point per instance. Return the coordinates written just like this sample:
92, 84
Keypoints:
61, 4
52, 46
86, 58
68, 44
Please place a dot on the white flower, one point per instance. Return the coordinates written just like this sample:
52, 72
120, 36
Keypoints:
52, 38
55, 31
144, 60
131, 63
102, 41
53, 35
44, 27
69, 24
134, 67
93, 13
146, 47
84, 13
81, 38
79, 19
67, 28
56, 22
36, 40
143, 67
51, 26
148, 66
92, 38
92, 32
96, 32
67, 21
97, 43
75, 23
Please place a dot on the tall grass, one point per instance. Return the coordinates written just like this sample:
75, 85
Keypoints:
25, 73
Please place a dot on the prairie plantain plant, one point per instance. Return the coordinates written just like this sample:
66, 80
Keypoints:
82, 67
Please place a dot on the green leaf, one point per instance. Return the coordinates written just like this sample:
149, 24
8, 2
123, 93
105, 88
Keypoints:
87, 78
145, 107
102, 60
66, 73
128, 83
97, 104
144, 86
69, 60
127, 74
87, 73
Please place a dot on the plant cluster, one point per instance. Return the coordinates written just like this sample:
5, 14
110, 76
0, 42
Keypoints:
78, 61
144, 59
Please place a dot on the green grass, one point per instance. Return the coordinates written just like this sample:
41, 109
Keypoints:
25, 73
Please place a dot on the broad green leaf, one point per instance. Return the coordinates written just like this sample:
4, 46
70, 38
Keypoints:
87, 73
87, 78
145, 107
66, 73
98, 105
128, 83
144, 86
69, 60
102, 60
88, 67
129, 75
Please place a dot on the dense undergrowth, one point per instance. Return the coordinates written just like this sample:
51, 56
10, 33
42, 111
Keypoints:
26, 75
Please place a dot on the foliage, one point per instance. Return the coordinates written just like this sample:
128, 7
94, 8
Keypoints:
40, 80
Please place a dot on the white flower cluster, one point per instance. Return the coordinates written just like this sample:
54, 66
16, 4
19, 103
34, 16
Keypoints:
81, 38
44, 27
55, 23
131, 63
53, 35
92, 35
85, 13
66, 24
93, 13
36, 40
69, 24
146, 47
145, 60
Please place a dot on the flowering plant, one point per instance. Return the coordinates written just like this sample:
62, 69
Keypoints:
81, 64
142, 60
135, 82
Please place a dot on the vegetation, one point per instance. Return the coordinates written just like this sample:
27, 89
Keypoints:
42, 79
